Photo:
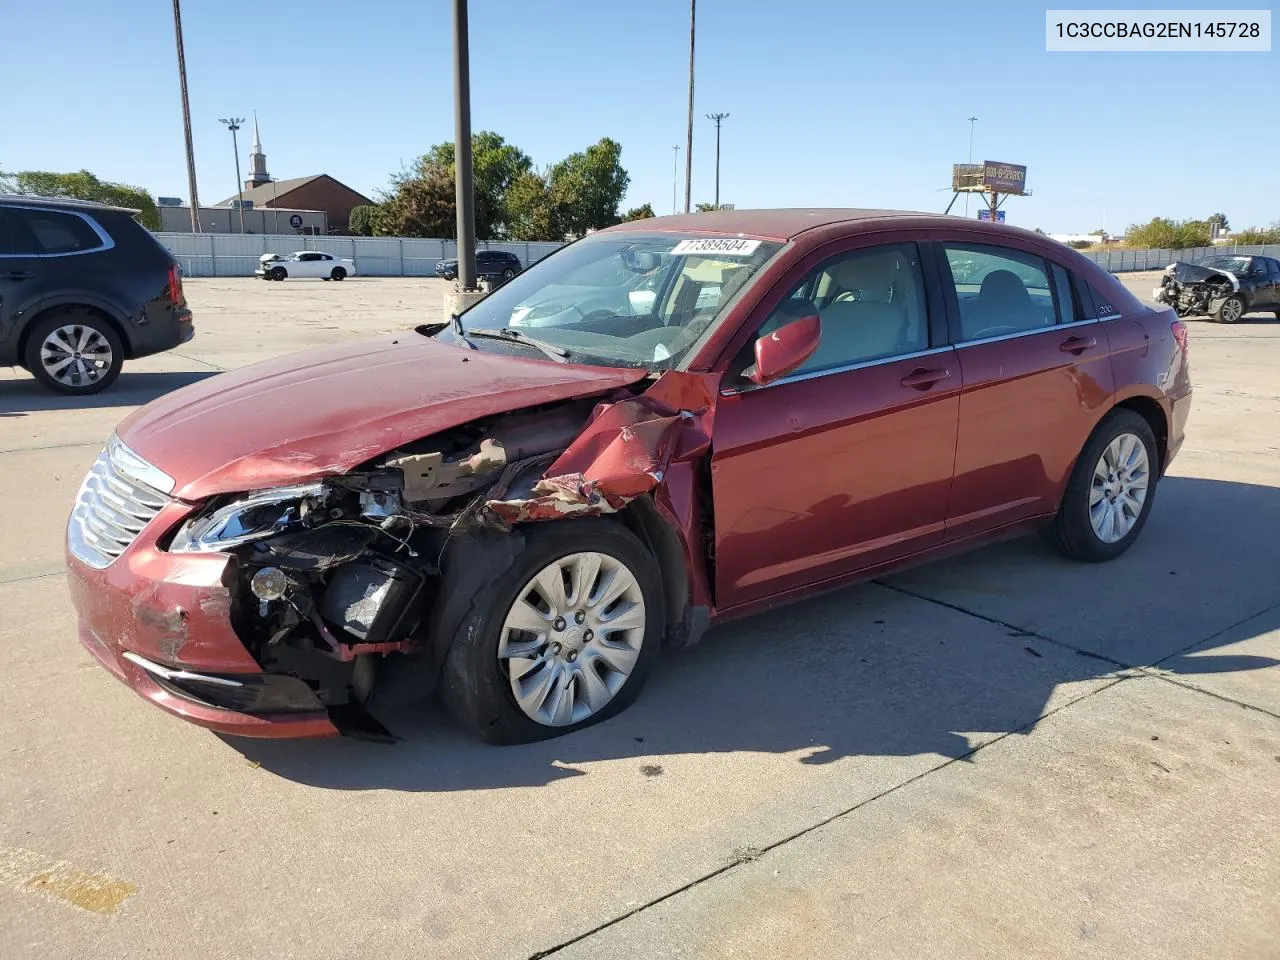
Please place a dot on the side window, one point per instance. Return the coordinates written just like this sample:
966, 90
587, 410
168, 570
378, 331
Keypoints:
8, 238
1064, 297
999, 290
871, 303
57, 232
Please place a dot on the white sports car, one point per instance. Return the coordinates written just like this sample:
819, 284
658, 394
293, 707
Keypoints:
305, 263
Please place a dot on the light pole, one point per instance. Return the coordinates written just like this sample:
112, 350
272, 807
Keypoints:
972, 121
717, 117
186, 119
463, 194
688, 149
233, 124
675, 178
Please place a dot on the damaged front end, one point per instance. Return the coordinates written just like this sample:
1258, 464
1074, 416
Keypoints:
353, 584
1193, 290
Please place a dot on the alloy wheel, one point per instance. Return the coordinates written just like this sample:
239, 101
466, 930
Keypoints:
572, 638
1118, 490
1232, 310
76, 355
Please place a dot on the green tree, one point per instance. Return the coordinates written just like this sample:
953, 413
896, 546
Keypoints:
363, 220
587, 187
1170, 234
83, 185
1221, 220
420, 203
1258, 235
704, 207
642, 212
530, 213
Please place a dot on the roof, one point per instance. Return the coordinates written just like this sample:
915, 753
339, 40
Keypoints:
34, 201
268, 192
780, 224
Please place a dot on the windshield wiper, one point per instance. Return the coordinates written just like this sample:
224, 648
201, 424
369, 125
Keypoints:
516, 336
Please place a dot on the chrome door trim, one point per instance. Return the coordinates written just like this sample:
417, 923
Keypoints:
832, 371
1027, 333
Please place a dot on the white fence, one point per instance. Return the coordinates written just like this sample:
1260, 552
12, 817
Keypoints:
1126, 261
236, 255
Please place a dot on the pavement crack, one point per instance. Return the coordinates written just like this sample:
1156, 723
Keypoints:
212, 366
755, 853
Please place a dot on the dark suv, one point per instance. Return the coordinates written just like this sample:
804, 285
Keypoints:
490, 264
83, 286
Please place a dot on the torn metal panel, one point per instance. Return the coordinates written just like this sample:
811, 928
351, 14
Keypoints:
430, 475
623, 452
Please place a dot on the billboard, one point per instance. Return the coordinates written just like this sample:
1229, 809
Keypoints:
990, 176
986, 215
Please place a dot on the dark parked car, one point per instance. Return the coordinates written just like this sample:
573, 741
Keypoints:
492, 265
1222, 288
669, 423
83, 287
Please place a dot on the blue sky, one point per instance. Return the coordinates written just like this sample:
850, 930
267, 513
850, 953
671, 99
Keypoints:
831, 103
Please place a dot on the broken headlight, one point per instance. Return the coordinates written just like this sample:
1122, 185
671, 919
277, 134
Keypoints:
249, 518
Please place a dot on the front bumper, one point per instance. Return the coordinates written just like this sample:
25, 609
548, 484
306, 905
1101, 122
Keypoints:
150, 609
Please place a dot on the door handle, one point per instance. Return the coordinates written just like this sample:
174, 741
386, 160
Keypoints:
923, 379
17, 275
1077, 345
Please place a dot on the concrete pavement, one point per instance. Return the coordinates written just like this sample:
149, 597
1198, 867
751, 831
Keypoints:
1001, 755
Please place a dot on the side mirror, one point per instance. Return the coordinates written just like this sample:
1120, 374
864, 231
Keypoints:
780, 352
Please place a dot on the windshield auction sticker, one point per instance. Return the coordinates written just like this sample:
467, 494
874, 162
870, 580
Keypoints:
722, 246
1092, 31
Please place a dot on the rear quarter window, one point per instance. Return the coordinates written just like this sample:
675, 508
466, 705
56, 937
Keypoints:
57, 233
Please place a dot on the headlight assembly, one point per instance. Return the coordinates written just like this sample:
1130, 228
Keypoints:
252, 517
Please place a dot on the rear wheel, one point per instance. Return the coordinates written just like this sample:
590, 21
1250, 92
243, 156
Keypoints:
339, 273
508, 273
1111, 490
563, 639
1230, 310
75, 353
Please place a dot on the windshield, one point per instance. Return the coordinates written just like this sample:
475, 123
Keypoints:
622, 299
1232, 264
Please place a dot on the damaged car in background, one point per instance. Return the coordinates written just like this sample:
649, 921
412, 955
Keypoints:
1222, 288
660, 426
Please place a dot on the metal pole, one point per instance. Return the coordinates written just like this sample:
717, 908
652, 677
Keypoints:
464, 193
972, 121
675, 178
233, 124
688, 149
186, 119
717, 117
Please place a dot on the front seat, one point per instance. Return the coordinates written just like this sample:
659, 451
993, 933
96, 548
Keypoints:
1003, 301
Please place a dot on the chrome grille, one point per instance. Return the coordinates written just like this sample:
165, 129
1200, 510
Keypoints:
114, 505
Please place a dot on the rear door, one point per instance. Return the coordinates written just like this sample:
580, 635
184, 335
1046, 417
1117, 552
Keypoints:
1036, 376
21, 271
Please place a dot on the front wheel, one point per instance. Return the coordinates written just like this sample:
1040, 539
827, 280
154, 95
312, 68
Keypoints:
278, 273
563, 639
1111, 490
1230, 310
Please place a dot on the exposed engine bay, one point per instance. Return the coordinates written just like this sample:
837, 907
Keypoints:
1194, 290
333, 580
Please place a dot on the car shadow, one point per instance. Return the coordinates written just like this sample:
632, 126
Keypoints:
866, 670
20, 397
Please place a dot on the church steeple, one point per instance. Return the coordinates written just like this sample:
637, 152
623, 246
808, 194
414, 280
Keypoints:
257, 160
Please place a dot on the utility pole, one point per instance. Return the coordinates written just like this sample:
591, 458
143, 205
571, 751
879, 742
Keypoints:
972, 121
463, 191
675, 178
186, 119
233, 124
717, 117
688, 149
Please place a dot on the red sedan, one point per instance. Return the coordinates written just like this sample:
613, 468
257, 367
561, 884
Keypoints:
663, 425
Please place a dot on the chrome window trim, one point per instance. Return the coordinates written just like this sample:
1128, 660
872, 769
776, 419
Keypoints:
961, 344
138, 469
1109, 316
106, 240
832, 371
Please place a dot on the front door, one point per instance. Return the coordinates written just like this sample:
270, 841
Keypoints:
1037, 378
845, 463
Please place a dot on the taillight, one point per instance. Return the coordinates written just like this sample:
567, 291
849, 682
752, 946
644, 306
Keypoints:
1180, 334
175, 286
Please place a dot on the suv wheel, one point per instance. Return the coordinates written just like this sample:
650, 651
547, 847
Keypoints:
74, 353
508, 273
563, 639
1230, 310
1112, 487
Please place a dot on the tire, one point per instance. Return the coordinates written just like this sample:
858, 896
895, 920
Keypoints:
451, 276
478, 687
1073, 531
338, 273
1230, 310
279, 273
508, 273
93, 367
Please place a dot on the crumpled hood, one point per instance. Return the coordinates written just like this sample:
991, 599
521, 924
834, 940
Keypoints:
327, 410
1185, 272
